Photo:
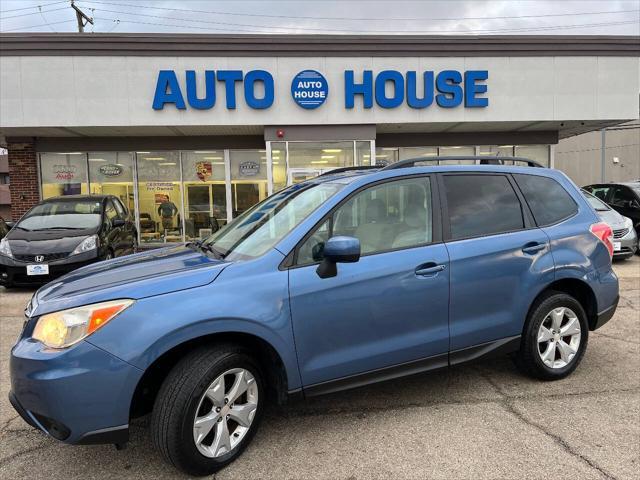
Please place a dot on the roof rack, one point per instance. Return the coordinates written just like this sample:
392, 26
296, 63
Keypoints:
484, 160
349, 169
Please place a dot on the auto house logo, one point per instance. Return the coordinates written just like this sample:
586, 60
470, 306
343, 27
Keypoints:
309, 89
64, 172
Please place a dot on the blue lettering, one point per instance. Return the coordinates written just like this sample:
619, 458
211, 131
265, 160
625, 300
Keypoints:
448, 84
210, 90
398, 89
412, 93
249, 89
471, 88
351, 89
230, 77
168, 91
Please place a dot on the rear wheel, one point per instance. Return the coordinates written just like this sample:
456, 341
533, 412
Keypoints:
208, 409
555, 337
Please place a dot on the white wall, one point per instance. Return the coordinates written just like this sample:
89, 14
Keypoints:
118, 91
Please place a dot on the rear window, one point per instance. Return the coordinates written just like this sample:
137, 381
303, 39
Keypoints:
549, 201
481, 205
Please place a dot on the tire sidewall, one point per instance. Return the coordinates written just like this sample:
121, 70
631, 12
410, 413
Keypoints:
186, 430
540, 313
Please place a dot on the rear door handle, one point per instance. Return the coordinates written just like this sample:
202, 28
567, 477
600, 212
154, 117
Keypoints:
429, 269
532, 248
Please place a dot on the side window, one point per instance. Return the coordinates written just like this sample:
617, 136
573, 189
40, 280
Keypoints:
122, 213
600, 192
481, 205
110, 212
622, 197
548, 200
388, 216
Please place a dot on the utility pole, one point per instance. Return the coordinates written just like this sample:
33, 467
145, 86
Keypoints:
81, 16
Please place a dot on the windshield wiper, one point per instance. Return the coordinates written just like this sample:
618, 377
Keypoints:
207, 247
21, 228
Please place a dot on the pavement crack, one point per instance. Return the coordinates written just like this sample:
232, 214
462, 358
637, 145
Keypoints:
21, 453
6, 424
511, 408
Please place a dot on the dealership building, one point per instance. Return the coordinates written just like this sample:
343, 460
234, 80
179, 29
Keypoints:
215, 123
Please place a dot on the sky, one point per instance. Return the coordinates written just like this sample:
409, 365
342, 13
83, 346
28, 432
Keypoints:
528, 17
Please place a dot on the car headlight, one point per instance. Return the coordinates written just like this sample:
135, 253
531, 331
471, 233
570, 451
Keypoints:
67, 327
628, 223
89, 243
4, 248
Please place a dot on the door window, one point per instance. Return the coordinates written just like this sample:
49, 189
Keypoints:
622, 197
481, 205
601, 192
549, 202
384, 217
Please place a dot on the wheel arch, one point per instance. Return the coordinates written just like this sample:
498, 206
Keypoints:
578, 289
267, 356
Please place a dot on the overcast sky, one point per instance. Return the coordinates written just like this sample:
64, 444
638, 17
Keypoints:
545, 17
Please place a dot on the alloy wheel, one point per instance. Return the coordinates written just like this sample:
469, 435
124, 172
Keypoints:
225, 412
559, 337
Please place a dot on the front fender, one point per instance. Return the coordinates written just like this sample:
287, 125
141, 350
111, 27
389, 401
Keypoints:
255, 304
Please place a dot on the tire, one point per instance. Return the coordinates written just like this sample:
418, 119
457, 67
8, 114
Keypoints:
530, 356
182, 397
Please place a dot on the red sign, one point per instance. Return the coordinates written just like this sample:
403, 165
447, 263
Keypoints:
204, 170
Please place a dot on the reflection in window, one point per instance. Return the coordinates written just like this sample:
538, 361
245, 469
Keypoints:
363, 153
111, 173
539, 153
386, 155
279, 165
63, 174
320, 155
248, 179
203, 175
159, 197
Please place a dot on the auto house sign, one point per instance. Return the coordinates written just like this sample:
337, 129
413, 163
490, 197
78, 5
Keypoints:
110, 170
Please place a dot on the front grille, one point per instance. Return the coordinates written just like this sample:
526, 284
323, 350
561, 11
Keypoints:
620, 233
47, 257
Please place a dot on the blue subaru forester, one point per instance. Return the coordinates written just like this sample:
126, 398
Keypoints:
353, 277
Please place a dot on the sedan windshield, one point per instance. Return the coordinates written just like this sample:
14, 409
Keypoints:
595, 202
63, 215
260, 228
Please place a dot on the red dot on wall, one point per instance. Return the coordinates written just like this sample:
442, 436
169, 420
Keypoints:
280, 133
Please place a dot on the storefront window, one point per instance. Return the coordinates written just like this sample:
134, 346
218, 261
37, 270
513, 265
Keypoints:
386, 155
539, 153
279, 165
363, 153
456, 152
308, 159
159, 197
111, 173
248, 179
417, 152
496, 150
205, 198
63, 174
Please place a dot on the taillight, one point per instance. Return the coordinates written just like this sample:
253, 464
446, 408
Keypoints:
605, 235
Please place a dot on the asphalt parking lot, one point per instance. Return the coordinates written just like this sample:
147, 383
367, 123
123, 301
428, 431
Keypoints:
474, 421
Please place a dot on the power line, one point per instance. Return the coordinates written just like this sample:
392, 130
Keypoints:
40, 25
45, 20
282, 28
32, 13
260, 15
33, 6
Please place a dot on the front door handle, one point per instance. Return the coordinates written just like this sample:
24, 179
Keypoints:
532, 248
429, 269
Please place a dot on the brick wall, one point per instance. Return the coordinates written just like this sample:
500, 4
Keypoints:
23, 177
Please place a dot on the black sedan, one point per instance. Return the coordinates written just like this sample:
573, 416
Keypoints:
64, 233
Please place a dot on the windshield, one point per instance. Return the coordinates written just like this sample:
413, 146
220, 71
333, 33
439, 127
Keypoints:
595, 202
63, 215
260, 228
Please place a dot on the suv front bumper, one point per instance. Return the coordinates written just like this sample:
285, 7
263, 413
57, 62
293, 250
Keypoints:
78, 395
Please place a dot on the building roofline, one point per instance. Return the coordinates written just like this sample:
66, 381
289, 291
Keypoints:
266, 45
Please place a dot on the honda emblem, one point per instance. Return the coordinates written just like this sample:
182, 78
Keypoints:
39, 258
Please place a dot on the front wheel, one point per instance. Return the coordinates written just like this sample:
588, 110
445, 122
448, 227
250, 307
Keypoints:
208, 409
554, 338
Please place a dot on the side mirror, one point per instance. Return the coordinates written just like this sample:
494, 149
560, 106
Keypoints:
117, 222
338, 250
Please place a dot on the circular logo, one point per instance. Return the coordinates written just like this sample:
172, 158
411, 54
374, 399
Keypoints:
309, 89
249, 169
